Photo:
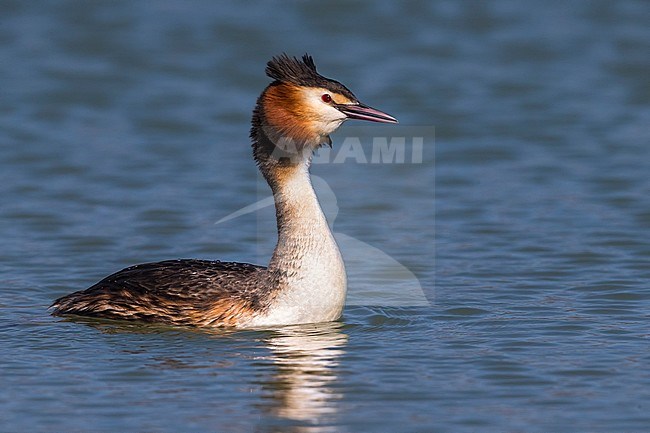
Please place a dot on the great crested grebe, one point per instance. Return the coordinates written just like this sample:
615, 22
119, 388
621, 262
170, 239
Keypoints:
305, 281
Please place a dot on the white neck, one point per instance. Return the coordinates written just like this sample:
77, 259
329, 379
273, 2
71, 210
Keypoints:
306, 261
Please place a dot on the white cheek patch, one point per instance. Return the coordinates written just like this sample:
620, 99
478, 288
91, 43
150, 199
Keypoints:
326, 115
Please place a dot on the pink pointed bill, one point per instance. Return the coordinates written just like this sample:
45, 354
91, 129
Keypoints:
363, 112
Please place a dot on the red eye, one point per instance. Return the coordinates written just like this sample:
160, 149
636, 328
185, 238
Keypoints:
326, 98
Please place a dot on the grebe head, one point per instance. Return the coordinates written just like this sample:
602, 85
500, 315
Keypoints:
301, 108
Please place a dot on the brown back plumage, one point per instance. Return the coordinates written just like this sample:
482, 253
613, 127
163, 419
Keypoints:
177, 292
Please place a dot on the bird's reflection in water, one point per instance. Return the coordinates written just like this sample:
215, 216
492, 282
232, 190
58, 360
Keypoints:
299, 376
306, 358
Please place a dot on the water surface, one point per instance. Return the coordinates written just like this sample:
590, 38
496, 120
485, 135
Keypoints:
123, 139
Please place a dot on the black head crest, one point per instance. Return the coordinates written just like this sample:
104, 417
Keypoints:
293, 70
302, 72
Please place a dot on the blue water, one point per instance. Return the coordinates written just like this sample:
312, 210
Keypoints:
525, 226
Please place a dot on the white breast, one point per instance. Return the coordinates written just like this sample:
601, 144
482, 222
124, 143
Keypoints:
314, 284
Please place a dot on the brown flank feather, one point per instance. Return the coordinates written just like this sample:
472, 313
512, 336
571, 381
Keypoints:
176, 292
